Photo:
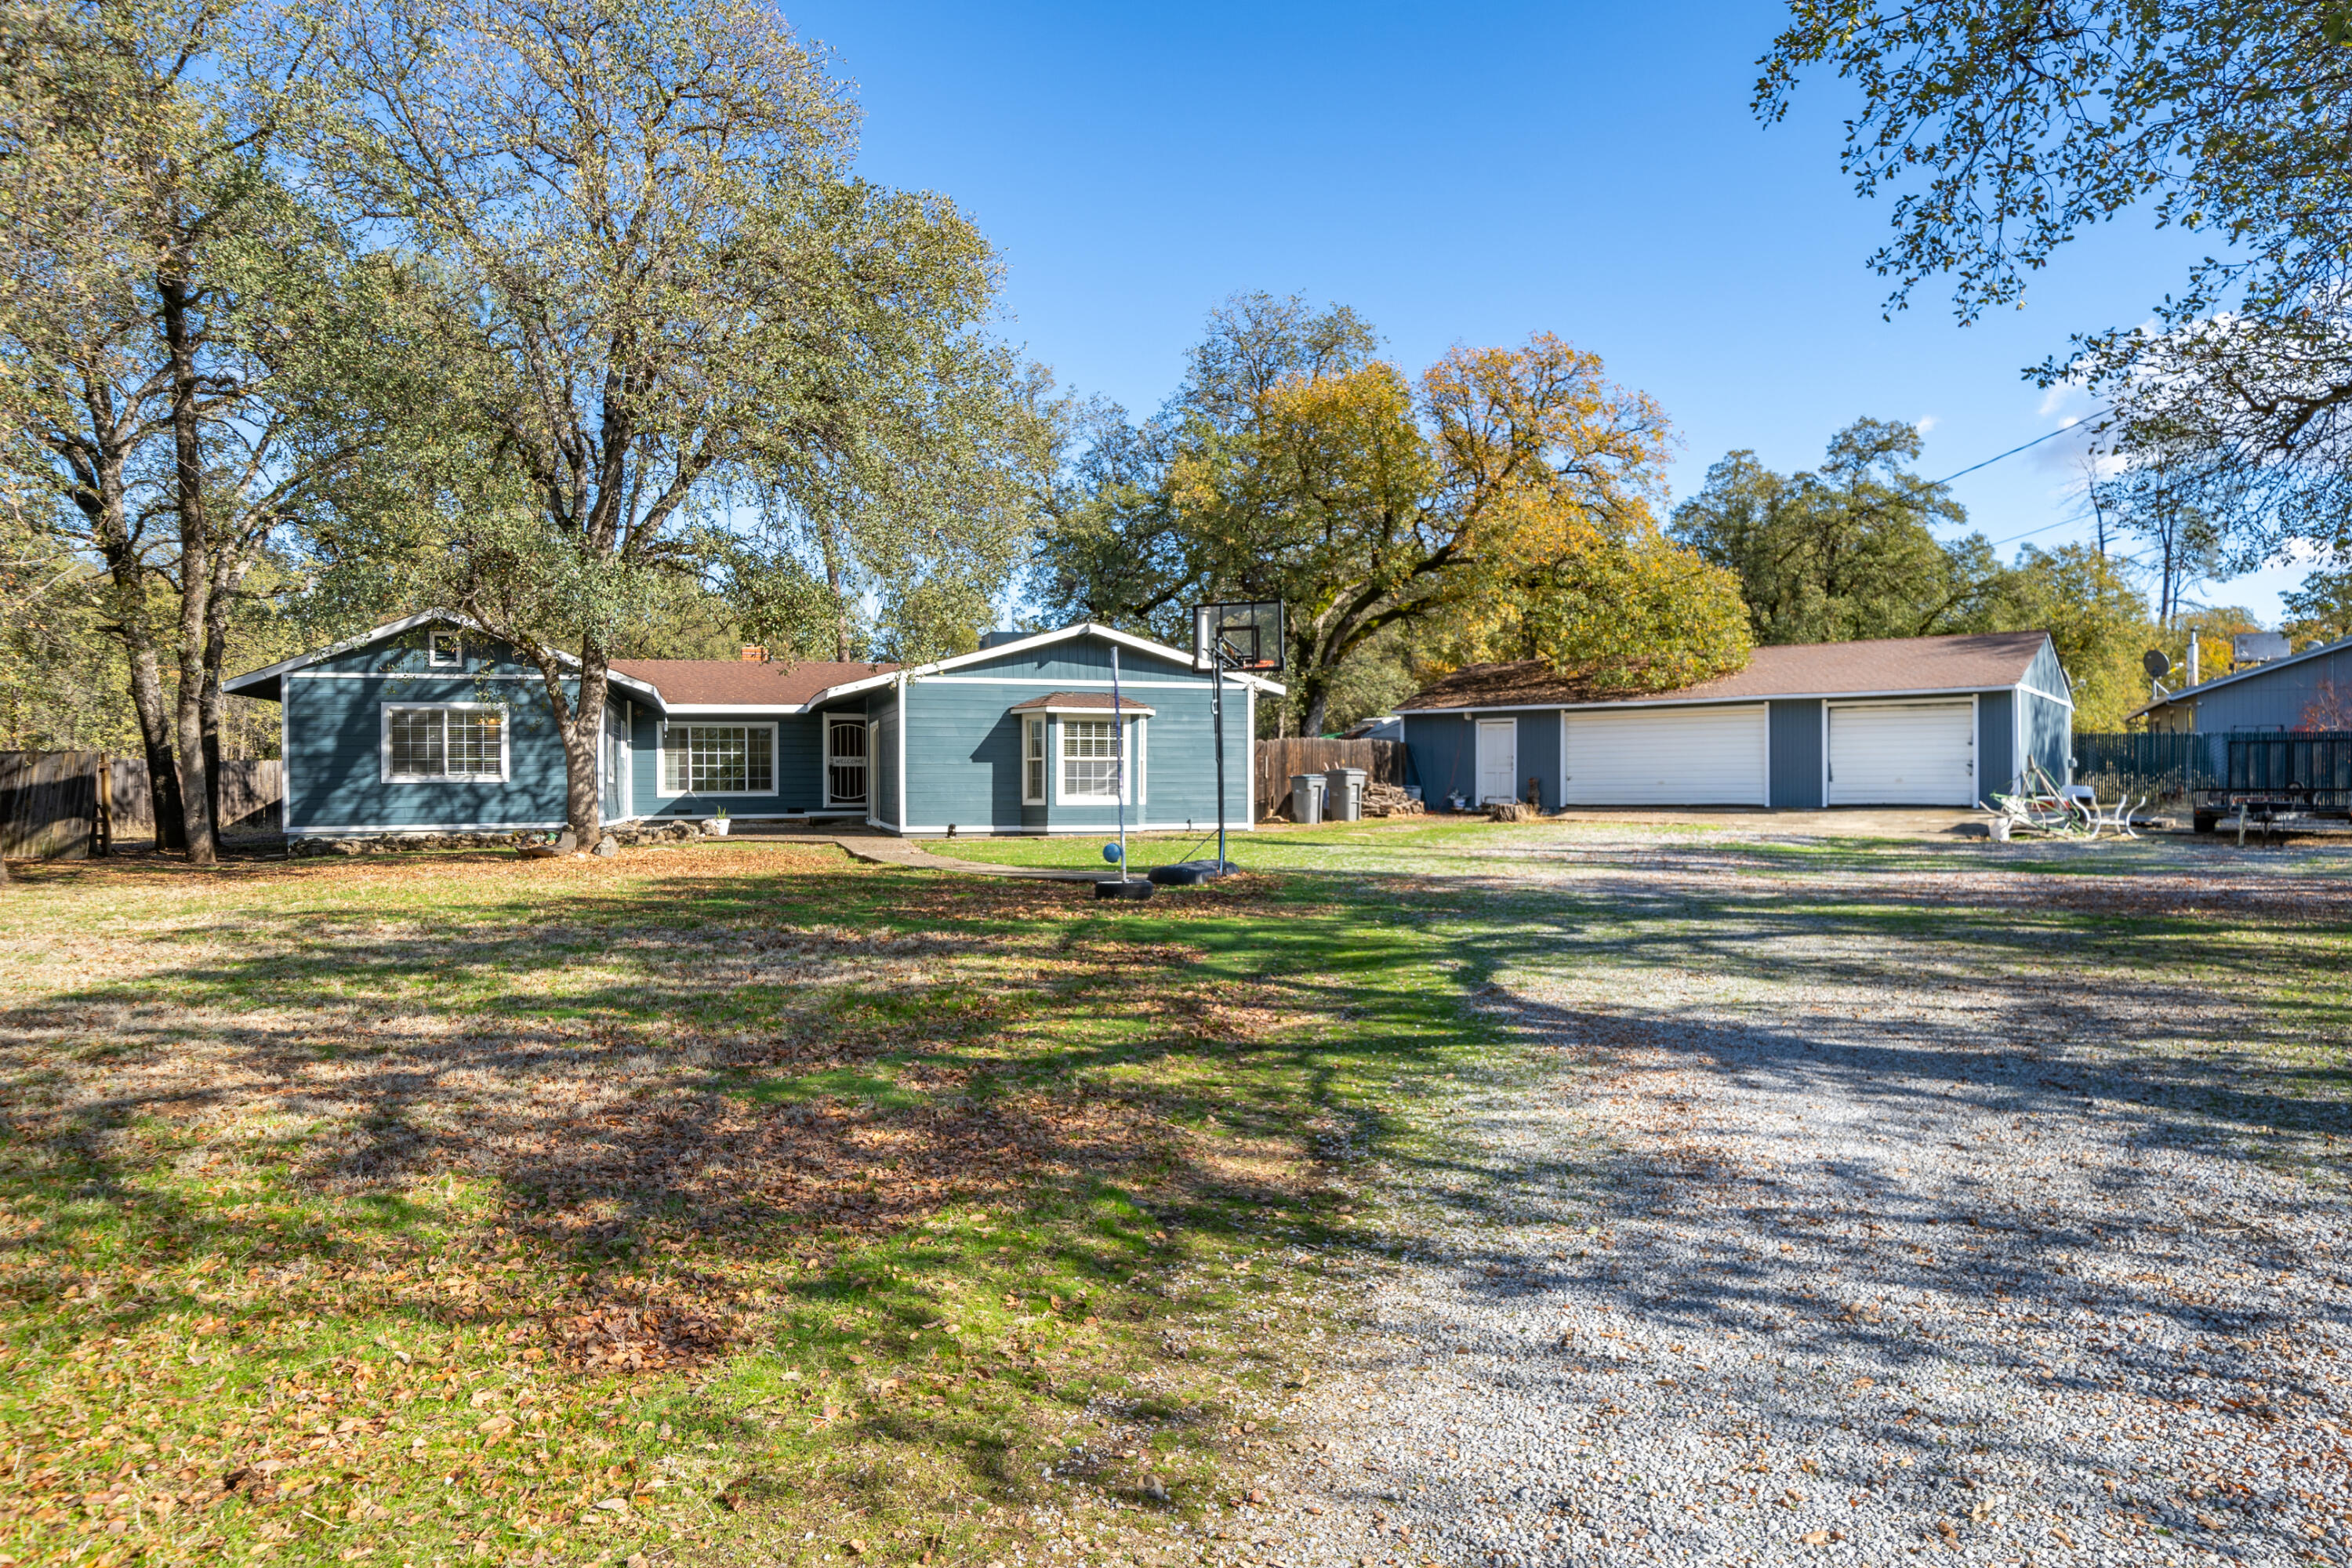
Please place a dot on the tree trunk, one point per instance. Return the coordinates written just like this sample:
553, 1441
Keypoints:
581, 727
196, 575
156, 736
831, 547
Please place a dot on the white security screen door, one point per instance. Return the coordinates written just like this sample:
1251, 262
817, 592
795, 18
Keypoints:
1499, 759
1903, 753
1675, 756
845, 761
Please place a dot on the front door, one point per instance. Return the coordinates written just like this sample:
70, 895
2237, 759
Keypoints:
1499, 759
845, 761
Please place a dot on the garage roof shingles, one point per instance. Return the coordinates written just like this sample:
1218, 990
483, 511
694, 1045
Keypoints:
743, 683
1975, 661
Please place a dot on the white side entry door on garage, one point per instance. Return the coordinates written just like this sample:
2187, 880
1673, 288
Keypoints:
1903, 753
1673, 757
1499, 759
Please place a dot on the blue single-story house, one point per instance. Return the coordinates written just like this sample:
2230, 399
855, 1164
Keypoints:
2306, 690
431, 725
1937, 720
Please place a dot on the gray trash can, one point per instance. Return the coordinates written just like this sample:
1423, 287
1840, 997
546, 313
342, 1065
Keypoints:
1307, 797
1345, 803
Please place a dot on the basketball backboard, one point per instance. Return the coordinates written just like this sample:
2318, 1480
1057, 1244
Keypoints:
1248, 633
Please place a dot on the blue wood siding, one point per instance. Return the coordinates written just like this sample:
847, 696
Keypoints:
334, 729
1794, 741
1443, 751
2049, 736
1997, 767
2273, 698
800, 768
962, 728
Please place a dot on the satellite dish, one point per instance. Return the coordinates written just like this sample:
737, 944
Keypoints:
2155, 664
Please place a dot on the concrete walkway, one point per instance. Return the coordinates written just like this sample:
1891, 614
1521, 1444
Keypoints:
882, 849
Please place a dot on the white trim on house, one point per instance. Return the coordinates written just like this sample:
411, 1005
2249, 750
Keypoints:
1897, 695
1071, 683
284, 764
251, 677
1131, 709
661, 765
899, 760
934, 671
384, 711
456, 655
384, 830
2065, 702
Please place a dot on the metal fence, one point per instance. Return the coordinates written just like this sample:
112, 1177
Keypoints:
2165, 766
2312, 764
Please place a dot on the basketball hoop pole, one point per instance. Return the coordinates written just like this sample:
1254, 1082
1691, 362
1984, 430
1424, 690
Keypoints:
1217, 713
1118, 749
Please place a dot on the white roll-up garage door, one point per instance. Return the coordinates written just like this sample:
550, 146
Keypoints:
1903, 753
1668, 756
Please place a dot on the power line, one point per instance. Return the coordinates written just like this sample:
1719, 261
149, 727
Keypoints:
2013, 452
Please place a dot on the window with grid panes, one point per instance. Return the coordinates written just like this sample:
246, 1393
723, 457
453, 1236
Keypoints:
719, 759
1090, 759
444, 742
1033, 762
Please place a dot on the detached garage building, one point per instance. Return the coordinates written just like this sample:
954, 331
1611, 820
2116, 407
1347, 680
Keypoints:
1944, 721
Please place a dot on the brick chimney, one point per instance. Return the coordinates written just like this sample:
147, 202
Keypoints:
754, 654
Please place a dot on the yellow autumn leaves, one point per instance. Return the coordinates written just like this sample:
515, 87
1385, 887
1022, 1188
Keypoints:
1500, 502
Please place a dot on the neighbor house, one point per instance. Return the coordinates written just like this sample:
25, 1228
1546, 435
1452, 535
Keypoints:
2307, 691
430, 724
1939, 720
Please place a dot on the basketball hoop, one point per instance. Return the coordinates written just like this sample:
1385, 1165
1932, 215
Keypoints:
1244, 636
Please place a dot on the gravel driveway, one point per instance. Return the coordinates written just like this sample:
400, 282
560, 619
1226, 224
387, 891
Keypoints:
1937, 1208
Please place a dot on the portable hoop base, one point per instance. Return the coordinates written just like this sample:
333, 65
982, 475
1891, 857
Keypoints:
1134, 891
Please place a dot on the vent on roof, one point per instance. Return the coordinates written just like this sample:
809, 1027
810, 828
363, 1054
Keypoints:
2257, 648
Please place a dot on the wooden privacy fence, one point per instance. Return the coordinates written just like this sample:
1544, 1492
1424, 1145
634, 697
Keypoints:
1384, 761
68, 805
49, 805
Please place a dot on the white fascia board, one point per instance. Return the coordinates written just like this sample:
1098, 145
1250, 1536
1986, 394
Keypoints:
236, 685
1128, 709
731, 710
1713, 702
2066, 703
390, 628
1022, 644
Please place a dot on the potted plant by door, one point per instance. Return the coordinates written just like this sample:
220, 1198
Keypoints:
718, 823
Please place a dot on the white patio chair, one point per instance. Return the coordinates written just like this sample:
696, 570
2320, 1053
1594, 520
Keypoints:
2083, 801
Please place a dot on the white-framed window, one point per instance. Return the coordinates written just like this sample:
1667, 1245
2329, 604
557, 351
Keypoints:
429, 743
719, 759
444, 649
1033, 759
1089, 762
846, 763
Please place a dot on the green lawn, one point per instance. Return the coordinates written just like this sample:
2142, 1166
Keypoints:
740, 1203
736, 1201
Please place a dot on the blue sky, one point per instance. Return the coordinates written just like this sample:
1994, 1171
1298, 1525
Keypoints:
1472, 175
